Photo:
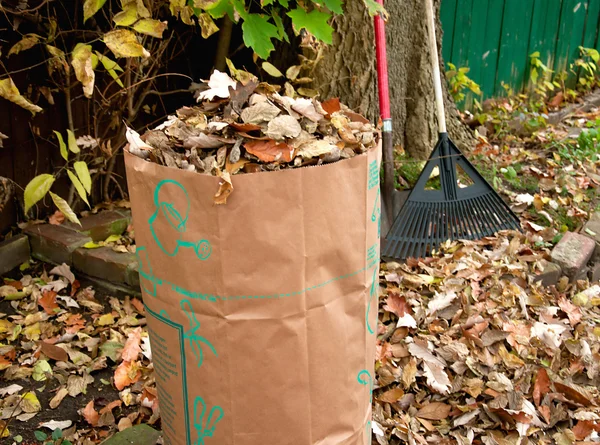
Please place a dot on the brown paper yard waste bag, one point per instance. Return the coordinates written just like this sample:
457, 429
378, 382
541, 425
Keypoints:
262, 313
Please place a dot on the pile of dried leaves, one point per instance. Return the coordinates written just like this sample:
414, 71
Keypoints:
63, 352
245, 126
471, 350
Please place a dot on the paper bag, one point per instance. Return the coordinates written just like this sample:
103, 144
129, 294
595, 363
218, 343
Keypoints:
262, 312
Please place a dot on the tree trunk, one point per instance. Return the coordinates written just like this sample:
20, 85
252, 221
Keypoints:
348, 71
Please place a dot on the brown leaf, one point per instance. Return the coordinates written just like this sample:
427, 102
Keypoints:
48, 301
270, 150
541, 386
132, 348
126, 374
391, 396
409, 373
573, 312
90, 414
60, 395
225, 188
57, 218
245, 127
397, 305
583, 429
557, 100
572, 394
545, 412
434, 411
54, 352
331, 105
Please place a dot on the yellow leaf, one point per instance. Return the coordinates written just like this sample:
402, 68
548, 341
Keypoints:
32, 332
111, 67
63, 147
112, 239
78, 186
293, 72
207, 25
58, 59
91, 7
91, 245
30, 403
84, 71
124, 43
4, 429
271, 70
127, 16
6, 326
72, 142
62, 205
84, 175
151, 27
37, 189
28, 41
105, 320
9, 91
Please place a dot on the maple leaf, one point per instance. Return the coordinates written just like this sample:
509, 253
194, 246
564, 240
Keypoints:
132, 347
126, 374
257, 34
90, 414
396, 304
541, 386
48, 302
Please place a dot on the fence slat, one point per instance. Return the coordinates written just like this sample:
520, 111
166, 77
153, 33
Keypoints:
489, 57
447, 16
462, 25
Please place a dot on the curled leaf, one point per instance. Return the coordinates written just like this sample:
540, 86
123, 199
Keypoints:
9, 91
28, 41
151, 27
62, 205
124, 43
81, 60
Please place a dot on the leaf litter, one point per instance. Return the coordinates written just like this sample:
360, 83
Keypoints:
243, 126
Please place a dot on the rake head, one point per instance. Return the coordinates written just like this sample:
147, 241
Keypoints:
431, 217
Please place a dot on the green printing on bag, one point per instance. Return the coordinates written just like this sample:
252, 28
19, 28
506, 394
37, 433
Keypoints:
194, 339
206, 429
364, 378
167, 210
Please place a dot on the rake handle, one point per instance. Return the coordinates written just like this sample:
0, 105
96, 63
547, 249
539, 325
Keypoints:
437, 79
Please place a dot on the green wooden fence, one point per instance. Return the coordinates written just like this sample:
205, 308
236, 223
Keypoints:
494, 38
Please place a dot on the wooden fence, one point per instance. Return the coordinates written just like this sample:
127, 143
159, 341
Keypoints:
495, 38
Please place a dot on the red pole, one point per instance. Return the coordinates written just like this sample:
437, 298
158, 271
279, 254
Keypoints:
386, 117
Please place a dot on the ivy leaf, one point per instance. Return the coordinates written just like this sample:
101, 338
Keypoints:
258, 32
37, 189
284, 3
9, 91
78, 187
84, 71
220, 8
72, 142
124, 43
63, 147
28, 41
334, 5
83, 173
280, 28
127, 16
375, 8
62, 205
207, 25
315, 22
151, 27
91, 7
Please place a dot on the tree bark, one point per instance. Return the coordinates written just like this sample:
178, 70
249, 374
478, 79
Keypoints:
348, 71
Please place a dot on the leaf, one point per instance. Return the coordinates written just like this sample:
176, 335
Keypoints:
331, 105
132, 348
111, 349
375, 8
396, 304
270, 151
124, 43
10, 390
225, 188
81, 61
257, 33
9, 91
80, 190
40, 435
60, 395
84, 175
30, 403
91, 7
126, 374
434, 411
127, 16
48, 302
315, 148
40, 369
63, 147
315, 22
218, 86
271, 70
28, 41
573, 312
391, 396
90, 415
283, 127
572, 394
151, 27
37, 189
62, 205
72, 142
111, 67
207, 25
54, 352
436, 377
334, 6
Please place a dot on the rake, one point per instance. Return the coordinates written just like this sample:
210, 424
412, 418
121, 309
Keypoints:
431, 217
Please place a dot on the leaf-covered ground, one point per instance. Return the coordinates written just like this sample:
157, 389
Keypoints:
470, 350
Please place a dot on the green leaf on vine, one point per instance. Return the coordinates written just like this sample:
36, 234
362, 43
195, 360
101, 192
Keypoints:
314, 22
257, 33
91, 7
78, 186
375, 8
111, 67
280, 28
220, 8
284, 3
333, 5
62, 205
63, 147
37, 189
127, 16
